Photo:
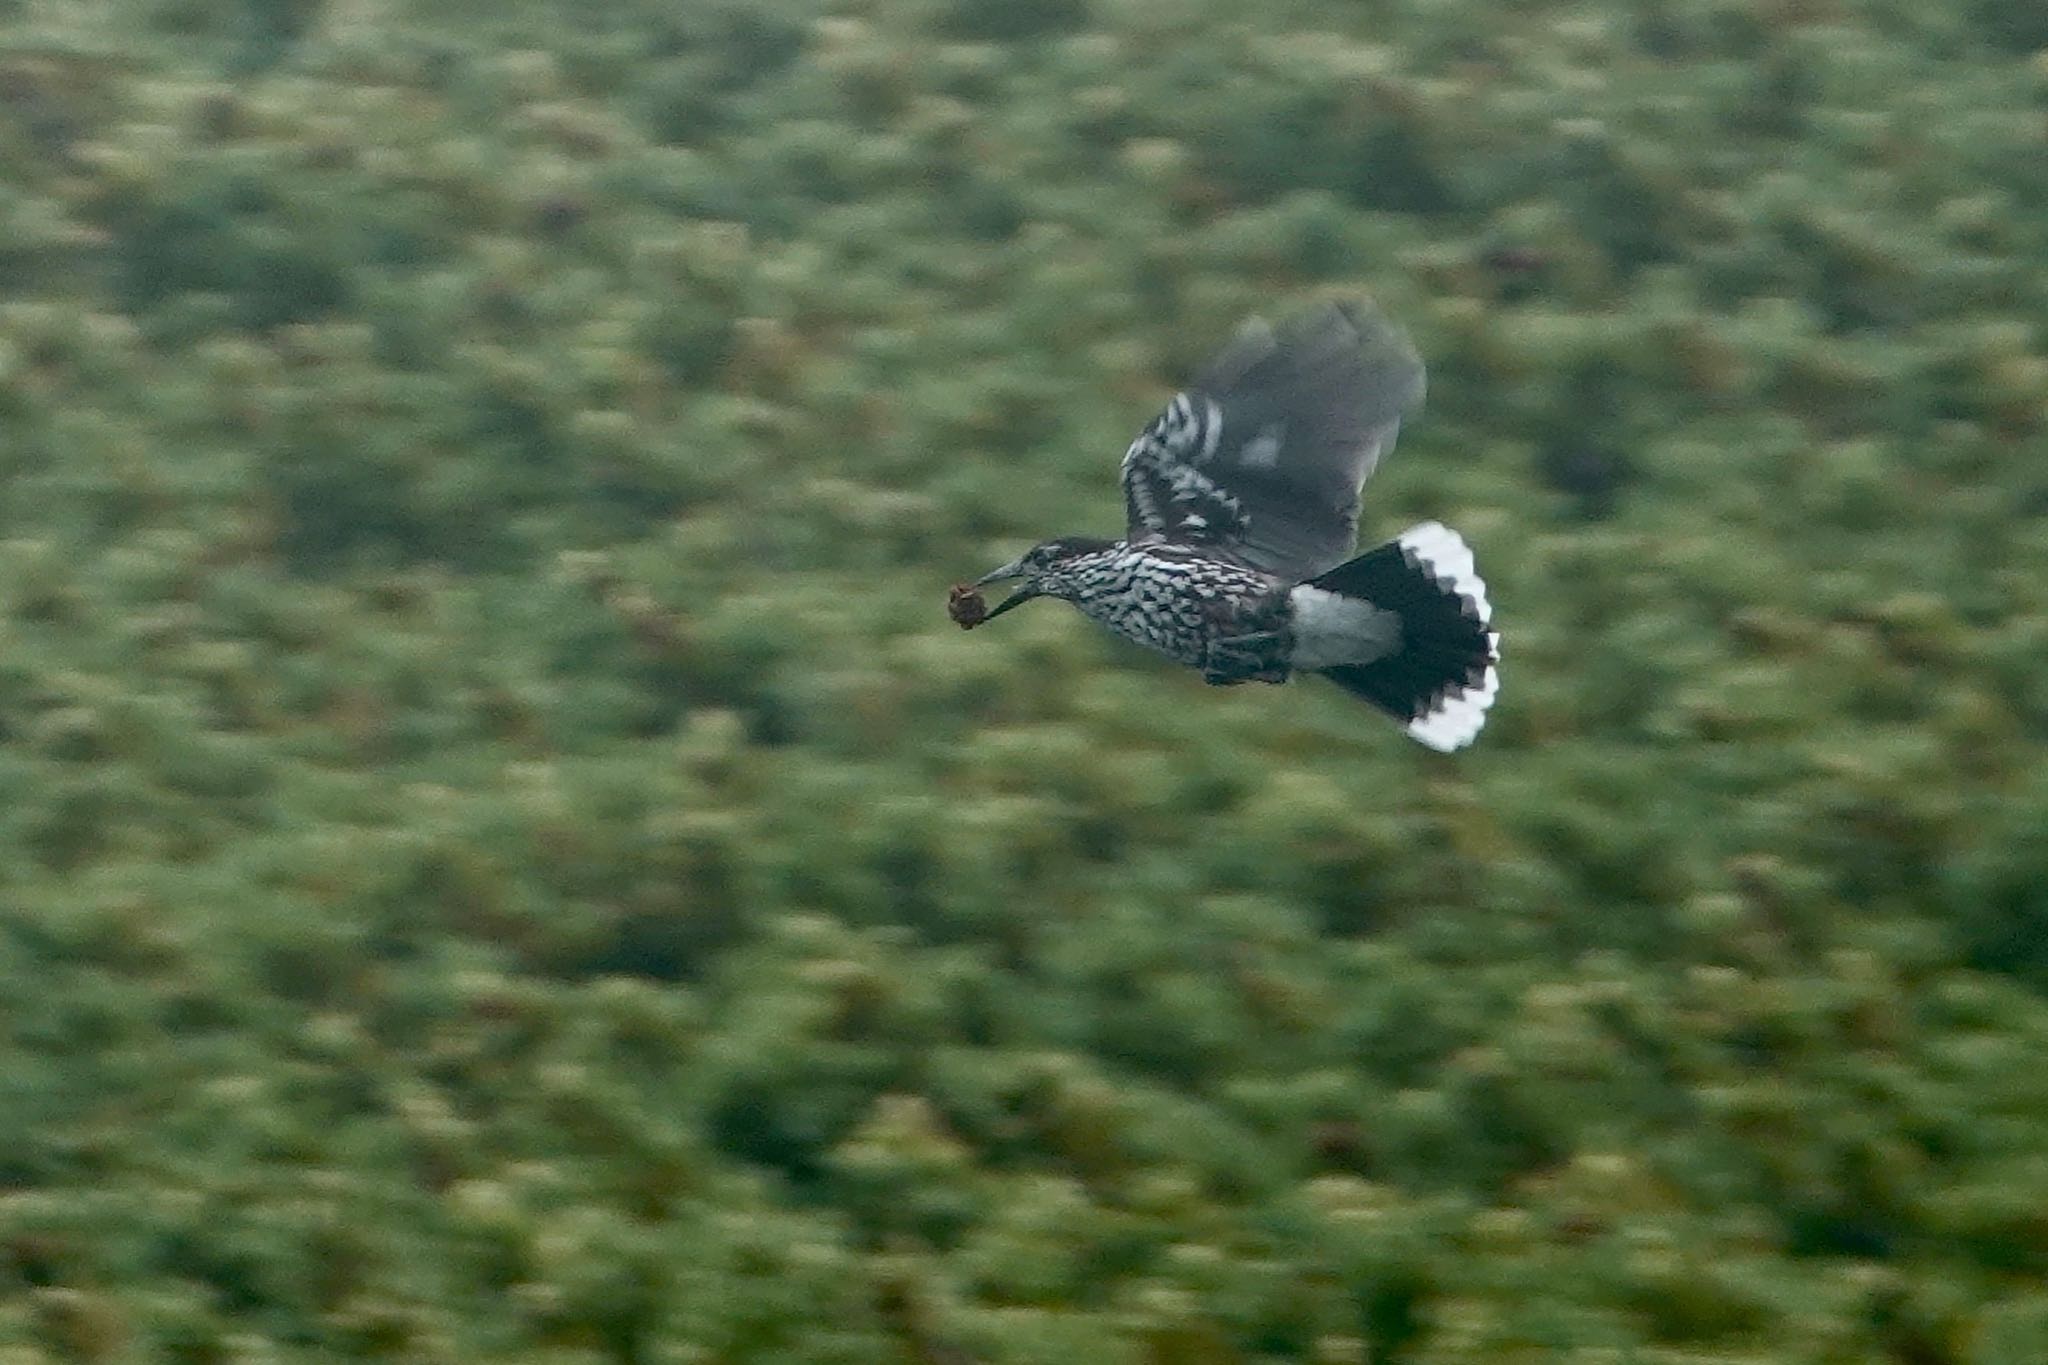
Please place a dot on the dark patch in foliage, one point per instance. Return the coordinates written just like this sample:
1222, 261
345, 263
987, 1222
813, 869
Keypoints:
753, 1123
71, 827
989, 211
190, 247
1580, 453
557, 215
1369, 156
1390, 1315
1395, 171
31, 1260
1854, 1213
516, 423
704, 55
1910, 1332
270, 30
1588, 471
1614, 205
303, 972
1519, 270
332, 513
53, 115
911, 875
1661, 33
692, 344
1853, 284
680, 108
664, 945
1999, 901
1010, 21
1509, 1136
236, 1276
1829, 1229
2011, 27
1690, 33
1785, 88
192, 1013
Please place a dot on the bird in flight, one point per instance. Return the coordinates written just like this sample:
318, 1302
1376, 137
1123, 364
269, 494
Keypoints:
1242, 503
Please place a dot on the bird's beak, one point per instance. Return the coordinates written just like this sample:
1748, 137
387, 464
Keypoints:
1014, 569
1016, 598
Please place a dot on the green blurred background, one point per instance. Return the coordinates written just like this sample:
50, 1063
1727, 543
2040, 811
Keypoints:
505, 857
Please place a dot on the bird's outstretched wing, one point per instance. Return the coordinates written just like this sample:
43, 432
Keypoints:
1264, 453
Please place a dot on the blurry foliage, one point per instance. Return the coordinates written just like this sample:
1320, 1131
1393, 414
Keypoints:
508, 860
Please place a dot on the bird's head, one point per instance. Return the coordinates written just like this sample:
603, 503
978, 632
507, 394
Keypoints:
1052, 568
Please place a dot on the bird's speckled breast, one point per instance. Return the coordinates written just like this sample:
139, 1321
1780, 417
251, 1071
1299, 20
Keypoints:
1170, 598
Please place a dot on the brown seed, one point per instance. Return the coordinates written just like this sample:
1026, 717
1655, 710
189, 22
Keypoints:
966, 606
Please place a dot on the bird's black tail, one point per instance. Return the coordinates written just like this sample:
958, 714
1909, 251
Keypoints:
1441, 681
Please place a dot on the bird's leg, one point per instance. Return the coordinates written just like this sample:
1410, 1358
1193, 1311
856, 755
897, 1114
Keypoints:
1256, 657
1256, 650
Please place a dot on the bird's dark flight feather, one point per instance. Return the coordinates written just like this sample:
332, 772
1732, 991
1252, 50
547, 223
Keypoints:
1264, 453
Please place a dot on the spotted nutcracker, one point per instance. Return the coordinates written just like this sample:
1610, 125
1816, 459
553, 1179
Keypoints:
1242, 501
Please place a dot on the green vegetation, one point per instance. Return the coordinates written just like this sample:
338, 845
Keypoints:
506, 858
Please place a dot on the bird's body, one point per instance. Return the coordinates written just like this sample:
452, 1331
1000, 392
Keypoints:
1173, 599
1181, 601
1243, 504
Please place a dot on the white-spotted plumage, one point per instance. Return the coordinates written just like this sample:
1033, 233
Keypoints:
1168, 597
